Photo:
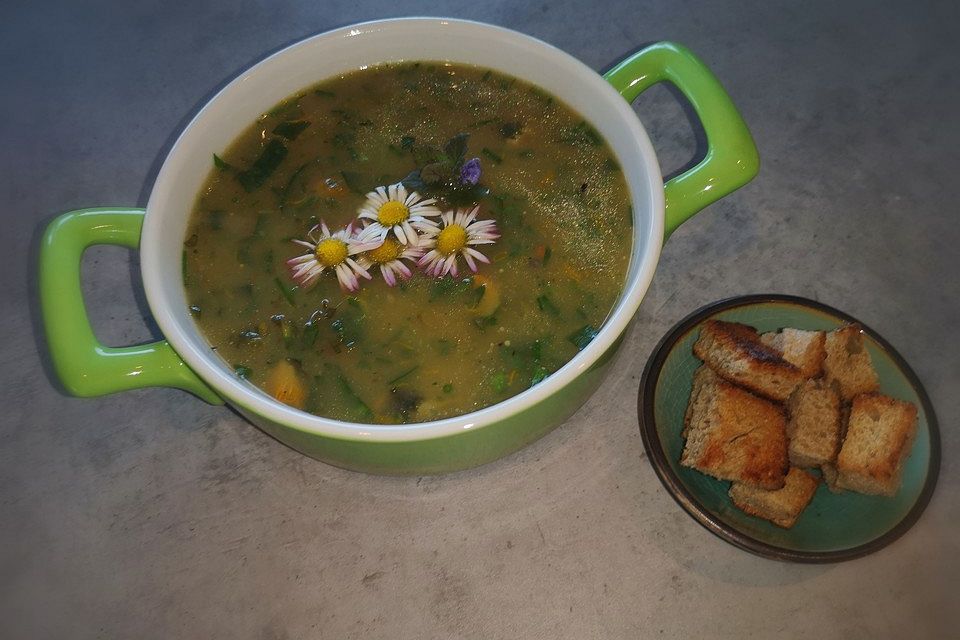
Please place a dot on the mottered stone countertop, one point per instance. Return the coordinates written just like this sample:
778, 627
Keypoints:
149, 514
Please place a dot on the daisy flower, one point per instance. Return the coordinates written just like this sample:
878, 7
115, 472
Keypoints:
393, 208
388, 257
330, 251
456, 235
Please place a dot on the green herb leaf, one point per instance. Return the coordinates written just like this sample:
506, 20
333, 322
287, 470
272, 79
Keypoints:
406, 142
354, 181
243, 372
477, 295
464, 195
433, 173
538, 375
484, 322
404, 374
426, 154
243, 252
268, 260
546, 305
583, 336
309, 335
490, 154
263, 218
456, 148
357, 407
413, 181
291, 128
289, 333
286, 291
499, 382
450, 288
447, 388
536, 351
511, 129
263, 167
221, 164
183, 268
349, 323
215, 218
483, 123
581, 134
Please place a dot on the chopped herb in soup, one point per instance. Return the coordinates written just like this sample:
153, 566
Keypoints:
408, 242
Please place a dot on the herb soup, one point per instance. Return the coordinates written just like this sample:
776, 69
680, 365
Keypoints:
408, 242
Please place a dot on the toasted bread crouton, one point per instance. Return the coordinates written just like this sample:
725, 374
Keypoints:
783, 506
734, 435
802, 349
814, 425
880, 434
847, 364
735, 352
829, 470
704, 376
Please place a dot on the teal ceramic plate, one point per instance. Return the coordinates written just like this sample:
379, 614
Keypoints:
833, 527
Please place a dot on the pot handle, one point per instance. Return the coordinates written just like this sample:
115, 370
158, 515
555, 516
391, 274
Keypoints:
731, 160
86, 367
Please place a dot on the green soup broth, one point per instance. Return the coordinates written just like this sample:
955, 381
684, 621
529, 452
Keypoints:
429, 347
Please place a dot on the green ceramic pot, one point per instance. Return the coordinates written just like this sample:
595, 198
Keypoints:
184, 360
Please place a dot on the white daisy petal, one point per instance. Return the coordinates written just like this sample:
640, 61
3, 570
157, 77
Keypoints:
443, 244
470, 262
301, 259
304, 268
410, 233
388, 275
308, 245
357, 269
332, 250
467, 251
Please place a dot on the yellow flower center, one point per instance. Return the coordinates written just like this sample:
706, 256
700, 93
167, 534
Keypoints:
392, 212
451, 239
388, 251
331, 252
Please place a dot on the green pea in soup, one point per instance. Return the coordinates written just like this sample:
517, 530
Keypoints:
408, 242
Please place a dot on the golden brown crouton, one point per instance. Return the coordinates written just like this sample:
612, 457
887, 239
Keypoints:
782, 506
702, 377
803, 349
813, 426
847, 364
880, 434
734, 435
735, 352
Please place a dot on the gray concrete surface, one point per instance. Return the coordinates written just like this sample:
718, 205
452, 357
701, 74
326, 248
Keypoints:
152, 515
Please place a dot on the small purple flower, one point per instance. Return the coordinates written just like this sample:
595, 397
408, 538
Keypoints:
470, 171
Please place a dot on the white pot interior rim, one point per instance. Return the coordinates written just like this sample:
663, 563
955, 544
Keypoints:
356, 47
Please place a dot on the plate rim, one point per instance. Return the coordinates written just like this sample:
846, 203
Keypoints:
692, 505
